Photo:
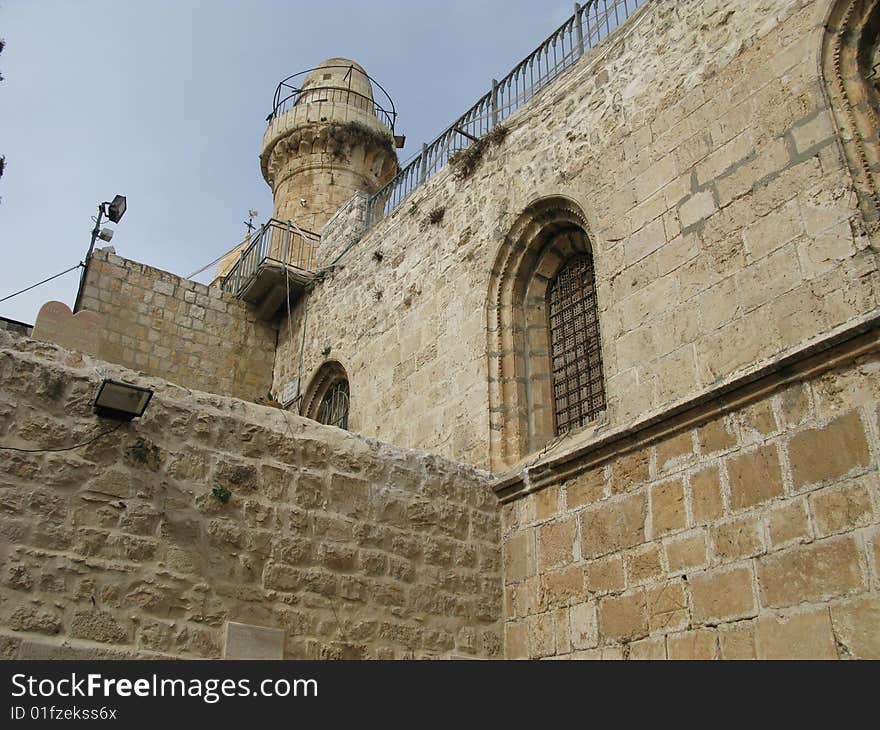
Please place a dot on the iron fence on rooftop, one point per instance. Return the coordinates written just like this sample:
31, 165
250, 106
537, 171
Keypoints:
590, 24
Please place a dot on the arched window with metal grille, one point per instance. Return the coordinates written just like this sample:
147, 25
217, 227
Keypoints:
575, 345
542, 324
327, 399
333, 410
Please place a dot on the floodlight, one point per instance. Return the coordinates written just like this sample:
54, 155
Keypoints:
116, 209
106, 235
121, 401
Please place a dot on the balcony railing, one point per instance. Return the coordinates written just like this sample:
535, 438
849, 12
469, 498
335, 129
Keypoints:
590, 25
275, 244
289, 93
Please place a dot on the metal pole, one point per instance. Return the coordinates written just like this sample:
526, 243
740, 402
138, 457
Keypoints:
494, 102
82, 277
579, 28
423, 172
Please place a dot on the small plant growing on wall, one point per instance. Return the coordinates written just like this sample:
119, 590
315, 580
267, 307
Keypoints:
343, 137
221, 493
436, 216
467, 160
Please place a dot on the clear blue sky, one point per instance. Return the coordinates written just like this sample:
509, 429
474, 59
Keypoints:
165, 101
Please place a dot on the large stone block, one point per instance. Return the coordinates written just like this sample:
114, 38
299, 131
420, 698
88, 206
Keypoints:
801, 636
556, 542
667, 507
755, 477
818, 455
623, 618
612, 526
857, 627
723, 595
814, 572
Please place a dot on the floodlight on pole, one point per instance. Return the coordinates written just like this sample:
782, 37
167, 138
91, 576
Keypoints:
114, 210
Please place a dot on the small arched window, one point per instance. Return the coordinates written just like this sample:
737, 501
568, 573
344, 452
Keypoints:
333, 410
327, 398
575, 346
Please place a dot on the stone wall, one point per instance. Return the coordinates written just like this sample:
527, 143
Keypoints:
724, 225
12, 325
177, 329
119, 549
751, 528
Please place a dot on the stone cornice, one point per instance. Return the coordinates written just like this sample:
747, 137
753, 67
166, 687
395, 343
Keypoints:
572, 456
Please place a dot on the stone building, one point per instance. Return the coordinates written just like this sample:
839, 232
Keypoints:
595, 376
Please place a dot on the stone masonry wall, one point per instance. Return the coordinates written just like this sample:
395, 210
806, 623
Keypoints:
723, 221
754, 534
119, 550
179, 330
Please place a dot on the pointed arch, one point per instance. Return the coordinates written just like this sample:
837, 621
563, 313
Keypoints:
548, 234
850, 66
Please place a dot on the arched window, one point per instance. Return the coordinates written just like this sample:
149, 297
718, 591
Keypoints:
333, 410
545, 353
326, 400
575, 347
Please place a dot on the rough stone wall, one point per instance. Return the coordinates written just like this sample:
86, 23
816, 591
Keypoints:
179, 330
722, 216
119, 549
753, 534
12, 325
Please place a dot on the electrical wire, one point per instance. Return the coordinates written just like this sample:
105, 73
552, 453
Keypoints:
34, 286
66, 448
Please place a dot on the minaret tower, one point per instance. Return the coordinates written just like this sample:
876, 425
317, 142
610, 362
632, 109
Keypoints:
327, 139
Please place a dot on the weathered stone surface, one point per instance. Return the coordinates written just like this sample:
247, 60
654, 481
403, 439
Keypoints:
668, 607
157, 323
612, 526
556, 542
519, 555
706, 496
352, 533
841, 509
699, 645
855, 628
755, 477
723, 595
788, 523
737, 641
605, 575
98, 626
686, 553
739, 539
813, 572
820, 454
585, 489
584, 626
667, 507
800, 636
623, 618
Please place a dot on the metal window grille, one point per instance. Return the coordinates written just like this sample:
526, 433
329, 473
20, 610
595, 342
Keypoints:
575, 347
333, 410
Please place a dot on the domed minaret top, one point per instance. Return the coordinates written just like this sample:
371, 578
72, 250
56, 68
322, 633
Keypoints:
327, 139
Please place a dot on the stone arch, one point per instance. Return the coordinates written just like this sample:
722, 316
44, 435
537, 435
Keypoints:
330, 378
850, 59
549, 233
